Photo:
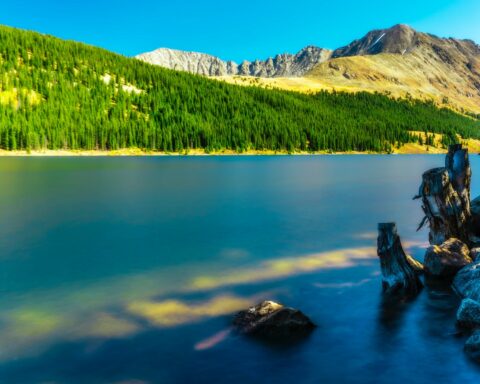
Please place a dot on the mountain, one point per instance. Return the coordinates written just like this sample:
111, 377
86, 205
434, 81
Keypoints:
57, 94
399, 39
398, 61
402, 61
284, 65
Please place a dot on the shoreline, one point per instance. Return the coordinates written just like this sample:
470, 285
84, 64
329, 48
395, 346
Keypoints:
193, 153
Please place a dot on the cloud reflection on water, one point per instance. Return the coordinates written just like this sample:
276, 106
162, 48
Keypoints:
83, 313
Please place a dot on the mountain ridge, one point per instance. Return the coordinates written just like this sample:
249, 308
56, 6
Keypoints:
285, 64
397, 61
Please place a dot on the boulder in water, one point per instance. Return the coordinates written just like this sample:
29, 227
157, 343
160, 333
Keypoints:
446, 259
271, 320
472, 346
468, 315
467, 282
475, 254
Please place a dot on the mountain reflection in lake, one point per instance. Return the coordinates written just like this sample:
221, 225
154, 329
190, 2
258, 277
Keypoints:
128, 270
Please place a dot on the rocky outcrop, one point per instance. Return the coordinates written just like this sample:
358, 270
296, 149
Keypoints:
468, 314
284, 65
445, 194
274, 321
447, 259
399, 272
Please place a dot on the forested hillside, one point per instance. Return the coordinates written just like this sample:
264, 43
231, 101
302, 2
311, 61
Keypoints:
64, 95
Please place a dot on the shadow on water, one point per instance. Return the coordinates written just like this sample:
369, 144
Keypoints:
440, 305
437, 301
392, 311
290, 342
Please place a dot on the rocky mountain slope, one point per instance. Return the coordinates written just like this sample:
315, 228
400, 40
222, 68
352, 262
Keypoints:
402, 61
398, 61
283, 65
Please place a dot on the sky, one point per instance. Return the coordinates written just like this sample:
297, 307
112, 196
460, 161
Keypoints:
235, 30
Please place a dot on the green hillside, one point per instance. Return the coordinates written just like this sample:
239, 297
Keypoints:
58, 94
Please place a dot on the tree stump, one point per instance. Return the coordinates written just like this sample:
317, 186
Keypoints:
445, 194
399, 276
458, 166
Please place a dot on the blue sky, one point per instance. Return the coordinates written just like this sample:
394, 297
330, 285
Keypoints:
235, 30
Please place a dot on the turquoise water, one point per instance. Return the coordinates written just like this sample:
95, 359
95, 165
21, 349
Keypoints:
128, 270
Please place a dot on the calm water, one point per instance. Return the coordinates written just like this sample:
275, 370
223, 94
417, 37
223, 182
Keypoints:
127, 270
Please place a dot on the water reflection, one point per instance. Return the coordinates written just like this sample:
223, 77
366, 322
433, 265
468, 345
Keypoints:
114, 309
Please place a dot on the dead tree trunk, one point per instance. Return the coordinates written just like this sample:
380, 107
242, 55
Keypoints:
458, 166
399, 277
445, 194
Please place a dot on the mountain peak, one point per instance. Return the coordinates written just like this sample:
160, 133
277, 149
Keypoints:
397, 39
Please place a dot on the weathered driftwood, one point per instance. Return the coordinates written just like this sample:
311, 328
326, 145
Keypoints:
399, 276
445, 194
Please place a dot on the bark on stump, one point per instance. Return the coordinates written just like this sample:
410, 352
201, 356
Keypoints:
458, 166
445, 194
399, 277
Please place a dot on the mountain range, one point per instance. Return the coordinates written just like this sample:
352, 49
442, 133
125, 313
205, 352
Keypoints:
399, 61
285, 64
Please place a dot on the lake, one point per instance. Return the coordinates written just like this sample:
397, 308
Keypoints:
128, 270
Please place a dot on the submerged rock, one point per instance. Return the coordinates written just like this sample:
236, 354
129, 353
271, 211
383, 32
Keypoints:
472, 346
467, 282
446, 259
273, 321
468, 314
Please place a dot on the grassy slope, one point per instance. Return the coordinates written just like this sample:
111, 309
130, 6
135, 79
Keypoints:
396, 75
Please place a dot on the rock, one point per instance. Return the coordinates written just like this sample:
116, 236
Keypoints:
468, 314
467, 282
447, 259
472, 346
271, 320
475, 254
399, 276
